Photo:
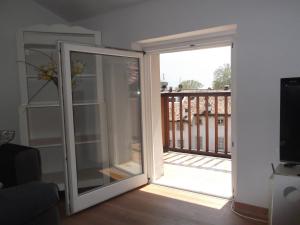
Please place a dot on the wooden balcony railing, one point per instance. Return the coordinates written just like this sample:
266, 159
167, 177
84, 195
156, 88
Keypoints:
197, 122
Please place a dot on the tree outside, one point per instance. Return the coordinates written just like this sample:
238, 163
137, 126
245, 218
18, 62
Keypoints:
190, 84
222, 77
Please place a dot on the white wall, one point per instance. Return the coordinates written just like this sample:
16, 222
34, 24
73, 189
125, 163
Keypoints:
14, 15
267, 48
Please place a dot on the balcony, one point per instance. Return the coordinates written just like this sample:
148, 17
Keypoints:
197, 173
197, 122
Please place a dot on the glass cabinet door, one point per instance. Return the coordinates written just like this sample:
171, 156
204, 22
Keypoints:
40, 110
101, 95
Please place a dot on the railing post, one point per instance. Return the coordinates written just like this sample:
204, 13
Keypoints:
165, 121
181, 123
198, 123
226, 125
189, 124
173, 122
206, 125
216, 124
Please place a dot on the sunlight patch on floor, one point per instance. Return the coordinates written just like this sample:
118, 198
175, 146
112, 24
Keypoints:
194, 198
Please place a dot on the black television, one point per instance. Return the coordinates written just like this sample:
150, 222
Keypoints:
290, 120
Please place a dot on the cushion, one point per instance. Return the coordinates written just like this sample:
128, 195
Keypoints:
22, 203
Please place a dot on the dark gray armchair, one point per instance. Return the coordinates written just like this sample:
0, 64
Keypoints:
24, 199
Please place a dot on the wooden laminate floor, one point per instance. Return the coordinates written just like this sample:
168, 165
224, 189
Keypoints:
158, 205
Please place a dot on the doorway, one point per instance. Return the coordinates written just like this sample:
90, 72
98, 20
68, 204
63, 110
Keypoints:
196, 120
199, 131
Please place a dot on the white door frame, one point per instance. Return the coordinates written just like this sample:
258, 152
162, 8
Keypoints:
206, 38
78, 201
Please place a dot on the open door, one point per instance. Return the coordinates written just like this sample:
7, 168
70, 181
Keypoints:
101, 93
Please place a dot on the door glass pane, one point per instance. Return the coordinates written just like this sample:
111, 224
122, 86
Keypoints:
107, 119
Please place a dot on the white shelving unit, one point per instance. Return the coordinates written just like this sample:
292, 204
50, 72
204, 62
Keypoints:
40, 111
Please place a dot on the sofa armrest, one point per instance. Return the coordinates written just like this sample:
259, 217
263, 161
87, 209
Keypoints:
19, 164
28, 166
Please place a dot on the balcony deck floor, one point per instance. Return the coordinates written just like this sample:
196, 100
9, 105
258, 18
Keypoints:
197, 173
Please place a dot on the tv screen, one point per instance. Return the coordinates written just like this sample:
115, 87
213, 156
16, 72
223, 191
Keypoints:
290, 120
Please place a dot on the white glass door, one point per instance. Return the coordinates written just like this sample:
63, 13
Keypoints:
102, 109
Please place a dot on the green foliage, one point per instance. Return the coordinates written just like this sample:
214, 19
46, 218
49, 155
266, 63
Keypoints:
190, 84
222, 77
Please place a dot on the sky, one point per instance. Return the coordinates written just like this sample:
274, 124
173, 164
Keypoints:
196, 65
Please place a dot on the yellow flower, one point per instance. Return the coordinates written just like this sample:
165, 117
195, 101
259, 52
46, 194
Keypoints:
45, 77
77, 68
47, 72
50, 73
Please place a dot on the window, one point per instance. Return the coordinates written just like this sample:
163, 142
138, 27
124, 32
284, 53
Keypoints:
221, 121
200, 120
177, 99
178, 125
178, 144
221, 143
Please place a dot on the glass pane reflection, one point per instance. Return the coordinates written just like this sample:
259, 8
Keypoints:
107, 119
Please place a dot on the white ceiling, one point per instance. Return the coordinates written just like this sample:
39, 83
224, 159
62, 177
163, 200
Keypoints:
72, 10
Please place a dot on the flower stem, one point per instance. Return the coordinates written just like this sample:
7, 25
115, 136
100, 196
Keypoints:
27, 63
43, 53
38, 91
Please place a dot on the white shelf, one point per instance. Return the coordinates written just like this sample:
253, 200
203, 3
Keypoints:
56, 104
84, 182
29, 46
80, 76
91, 177
85, 103
85, 75
57, 141
130, 167
41, 104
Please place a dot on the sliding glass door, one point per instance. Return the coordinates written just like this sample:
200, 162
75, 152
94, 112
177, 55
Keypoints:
102, 110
